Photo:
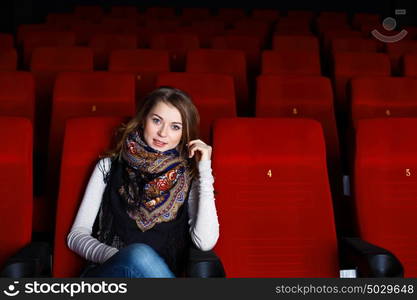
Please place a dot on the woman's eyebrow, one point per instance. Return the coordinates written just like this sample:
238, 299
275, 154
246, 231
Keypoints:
163, 118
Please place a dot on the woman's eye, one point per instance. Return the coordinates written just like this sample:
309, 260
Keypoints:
176, 127
156, 120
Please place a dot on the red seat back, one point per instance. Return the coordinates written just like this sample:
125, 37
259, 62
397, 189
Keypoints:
290, 63
104, 44
46, 39
250, 45
16, 186
229, 62
6, 41
295, 43
8, 59
17, 95
85, 140
276, 221
146, 64
83, 94
301, 97
178, 44
387, 97
410, 65
348, 65
385, 186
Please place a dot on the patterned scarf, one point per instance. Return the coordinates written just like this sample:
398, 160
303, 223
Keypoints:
155, 183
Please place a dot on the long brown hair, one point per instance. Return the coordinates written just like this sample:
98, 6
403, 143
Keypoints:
189, 115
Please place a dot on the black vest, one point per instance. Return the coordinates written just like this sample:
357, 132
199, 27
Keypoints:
114, 227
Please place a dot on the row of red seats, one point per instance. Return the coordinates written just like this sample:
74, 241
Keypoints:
284, 209
179, 44
110, 94
145, 62
246, 37
205, 30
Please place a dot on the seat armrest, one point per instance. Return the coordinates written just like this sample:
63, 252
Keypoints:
369, 260
33, 260
204, 264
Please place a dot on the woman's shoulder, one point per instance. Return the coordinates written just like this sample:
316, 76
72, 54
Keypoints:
104, 166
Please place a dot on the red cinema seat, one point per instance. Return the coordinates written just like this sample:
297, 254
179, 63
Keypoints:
178, 44
153, 26
385, 186
250, 45
93, 13
410, 65
146, 64
104, 44
290, 63
47, 62
354, 45
6, 41
228, 62
329, 35
212, 103
8, 59
85, 31
396, 52
286, 225
27, 29
46, 39
388, 97
293, 26
45, 65
82, 94
295, 43
302, 97
252, 27
348, 65
17, 94
85, 140
120, 25
16, 185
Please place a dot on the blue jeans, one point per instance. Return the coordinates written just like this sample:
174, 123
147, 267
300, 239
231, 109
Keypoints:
134, 261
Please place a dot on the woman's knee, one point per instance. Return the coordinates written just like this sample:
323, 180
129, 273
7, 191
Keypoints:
139, 253
146, 261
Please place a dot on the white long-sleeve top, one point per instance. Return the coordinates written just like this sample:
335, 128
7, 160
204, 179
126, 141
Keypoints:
204, 225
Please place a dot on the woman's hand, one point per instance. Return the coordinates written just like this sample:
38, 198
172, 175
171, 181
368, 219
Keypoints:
201, 150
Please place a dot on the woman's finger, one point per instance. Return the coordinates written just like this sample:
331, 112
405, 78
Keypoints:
195, 141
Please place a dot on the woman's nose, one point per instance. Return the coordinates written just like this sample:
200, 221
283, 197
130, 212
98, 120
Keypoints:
162, 130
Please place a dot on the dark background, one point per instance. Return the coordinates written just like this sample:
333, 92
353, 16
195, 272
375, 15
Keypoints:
15, 12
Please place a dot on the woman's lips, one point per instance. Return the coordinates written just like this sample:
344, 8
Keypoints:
158, 143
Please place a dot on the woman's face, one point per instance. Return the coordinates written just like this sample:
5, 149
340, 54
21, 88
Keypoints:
163, 127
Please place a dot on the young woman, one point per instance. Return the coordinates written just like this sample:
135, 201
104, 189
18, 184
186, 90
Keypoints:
150, 197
